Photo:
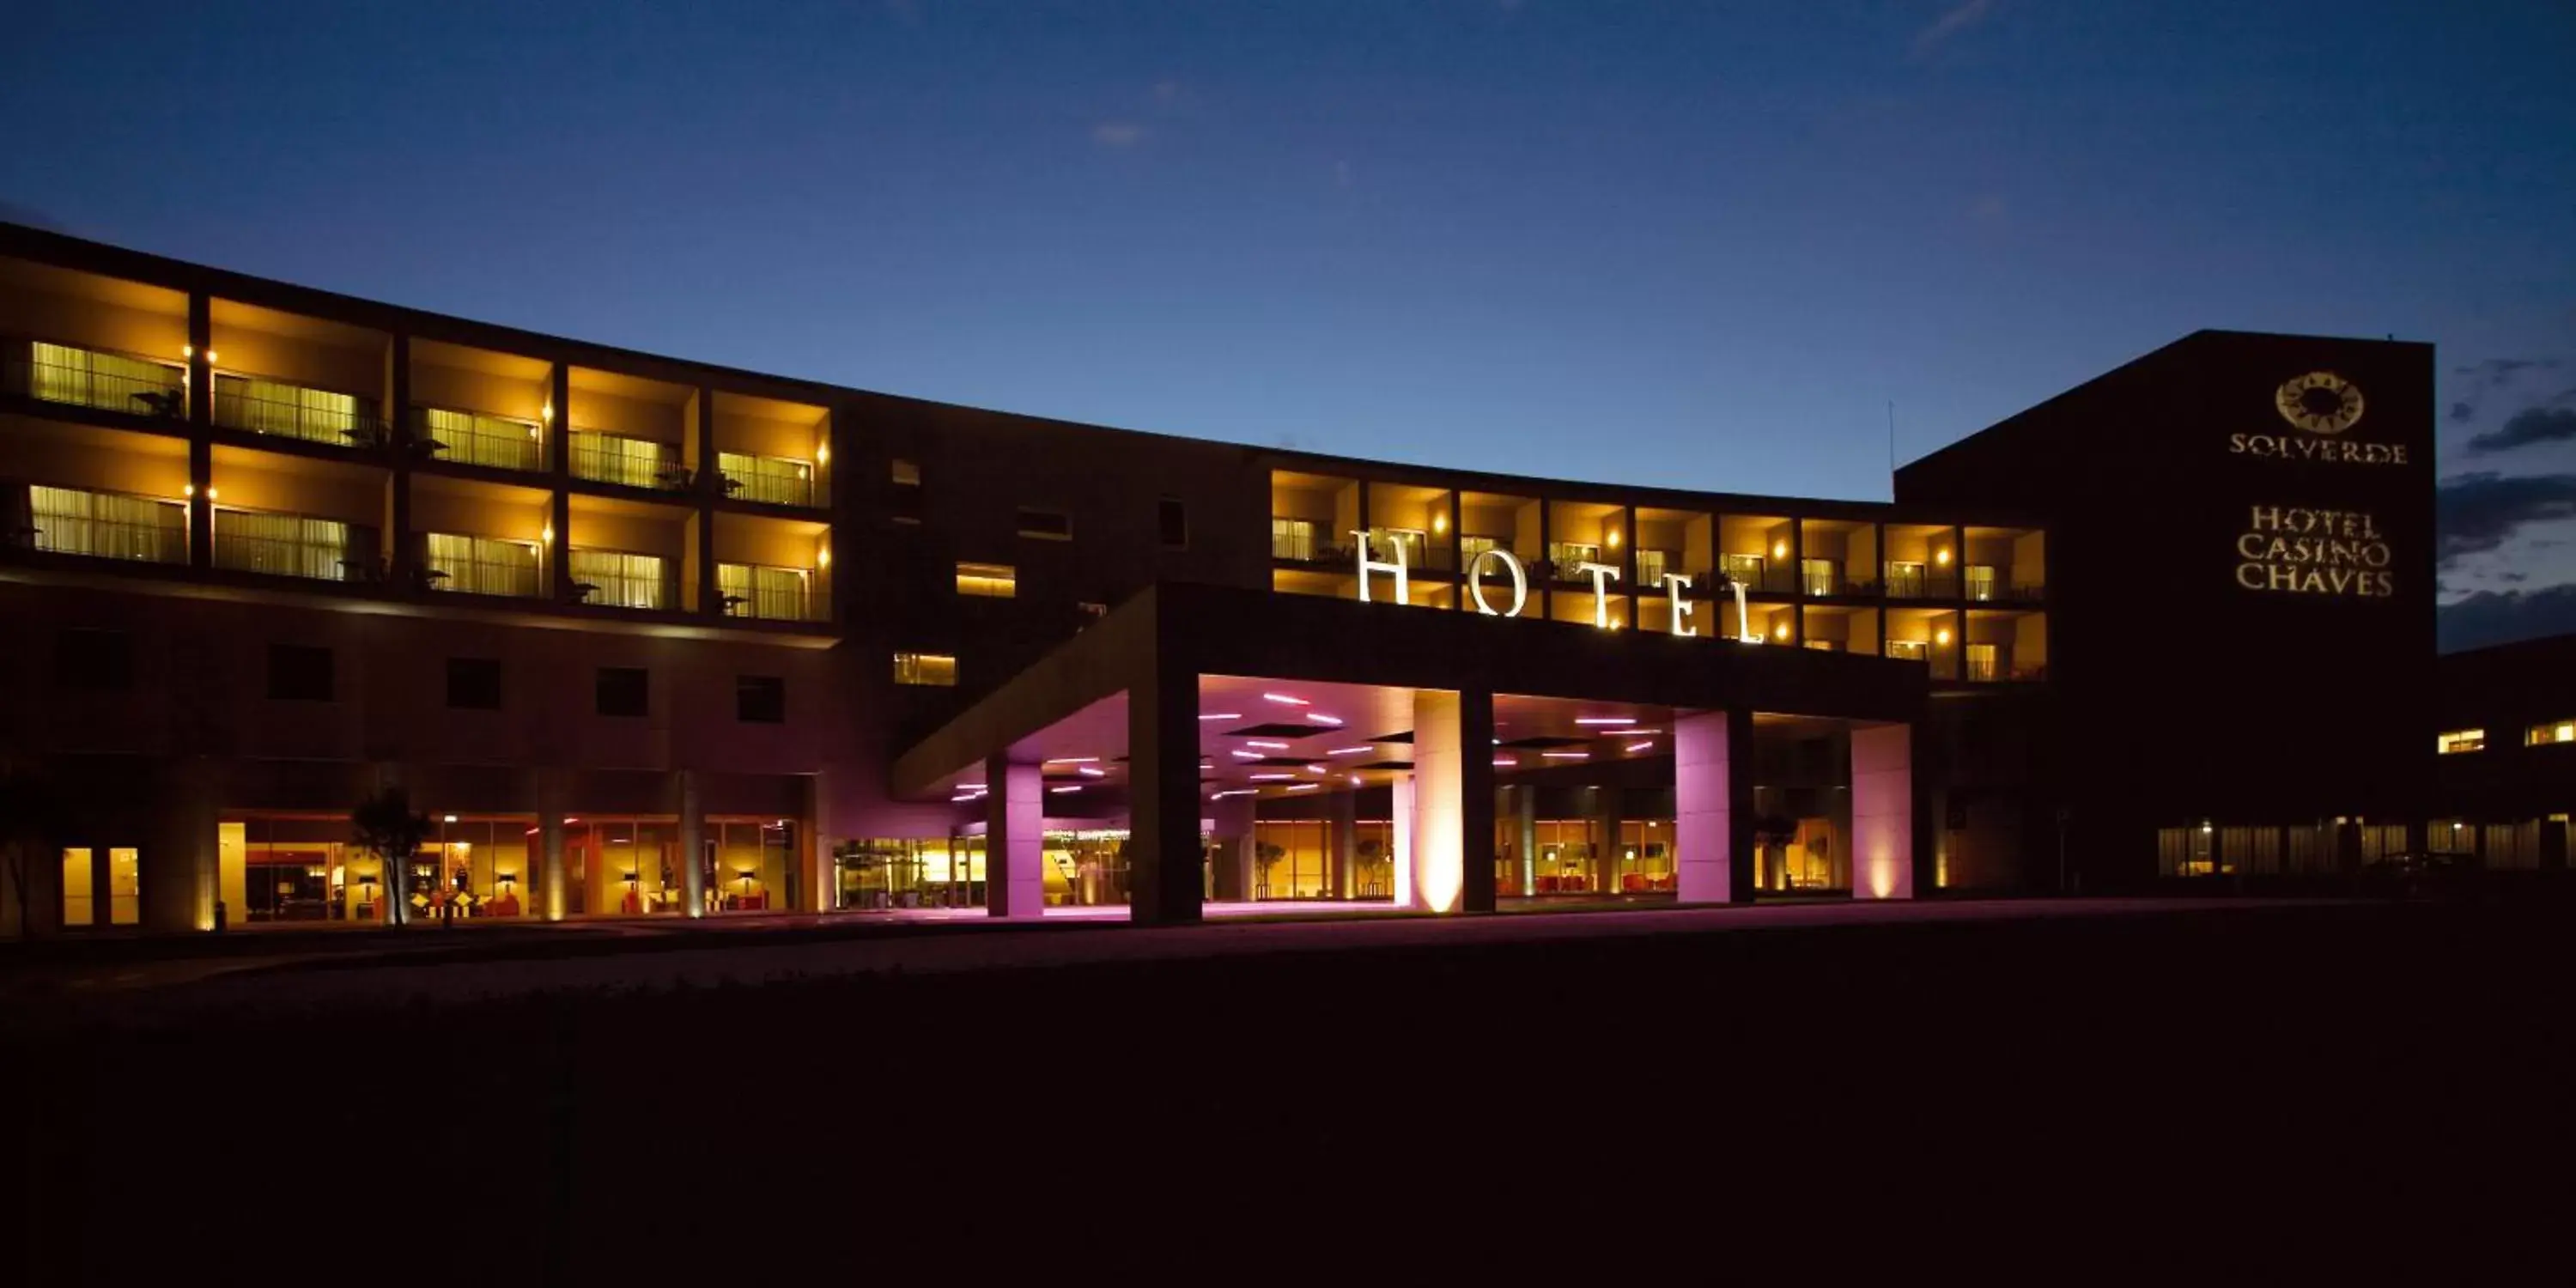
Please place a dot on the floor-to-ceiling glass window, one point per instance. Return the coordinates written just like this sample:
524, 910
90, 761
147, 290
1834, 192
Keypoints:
1562, 862
1645, 856
90, 884
1292, 859
909, 872
1086, 869
625, 866
750, 864
480, 864
1373, 860
300, 867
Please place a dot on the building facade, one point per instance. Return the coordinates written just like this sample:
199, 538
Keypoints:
647, 637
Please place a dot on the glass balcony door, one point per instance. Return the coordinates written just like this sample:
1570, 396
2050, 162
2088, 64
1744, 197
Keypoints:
475, 438
293, 411
62, 373
482, 565
106, 525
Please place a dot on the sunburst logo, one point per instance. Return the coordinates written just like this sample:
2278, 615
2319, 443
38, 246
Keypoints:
2319, 402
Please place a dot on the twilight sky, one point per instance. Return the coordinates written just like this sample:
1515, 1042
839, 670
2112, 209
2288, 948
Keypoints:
1694, 243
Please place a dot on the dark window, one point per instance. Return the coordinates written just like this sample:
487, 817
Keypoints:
1175, 522
474, 683
760, 699
907, 492
299, 673
622, 690
1054, 525
96, 661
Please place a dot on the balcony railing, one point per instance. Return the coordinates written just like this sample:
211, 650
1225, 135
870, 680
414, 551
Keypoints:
293, 546
109, 381
1759, 574
295, 411
105, 525
772, 480
1304, 547
1985, 584
477, 438
1914, 581
768, 594
622, 580
481, 566
628, 462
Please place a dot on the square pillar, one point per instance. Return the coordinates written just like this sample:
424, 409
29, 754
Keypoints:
1713, 807
1014, 839
693, 845
1445, 786
1883, 814
553, 899
178, 859
1163, 884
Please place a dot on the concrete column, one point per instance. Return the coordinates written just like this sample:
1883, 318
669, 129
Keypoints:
553, 899
1439, 850
693, 845
1476, 800
1883, 813
1233, 818
1402, 798
1525, 815
1163, 885
201, 412
398, 440
1713, 807
177, 859
559, 465
710, 483
1014, 839
1346, 825
1609, 813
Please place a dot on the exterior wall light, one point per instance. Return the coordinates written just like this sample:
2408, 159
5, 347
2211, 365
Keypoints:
1941, 636
1942, 556
547, 412
210, 493
187, 489
823, 556
1780, 549
822, 453
187, 351
546, 534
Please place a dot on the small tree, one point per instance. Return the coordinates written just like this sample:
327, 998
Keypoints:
1264, 855
385, 826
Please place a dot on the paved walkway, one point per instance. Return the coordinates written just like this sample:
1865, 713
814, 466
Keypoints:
733, 953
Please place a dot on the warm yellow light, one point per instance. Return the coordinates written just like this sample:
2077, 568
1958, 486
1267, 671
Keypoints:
1779, 549
546, 534
1779, 630
547, 412
2567, 733
1941, 636
822, 453
187, 351
1941, 556
822, 556
210, 357
1614, 538
1439, 524
210, 494
187, 489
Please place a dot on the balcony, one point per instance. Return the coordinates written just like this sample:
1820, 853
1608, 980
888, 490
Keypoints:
295, 545
628, 462
263, 406
620, 579
1758, 573
770, 480
104, 525
1986, 583
119, 382
1915, 581
1297, 541
765, 593
472, 565
479, 438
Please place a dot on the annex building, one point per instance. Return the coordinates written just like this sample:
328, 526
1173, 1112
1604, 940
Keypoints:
646, 637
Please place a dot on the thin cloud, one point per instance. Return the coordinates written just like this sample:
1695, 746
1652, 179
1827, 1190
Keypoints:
2503, 617
1957, 19
2476, 513
2526, 427
1117, 134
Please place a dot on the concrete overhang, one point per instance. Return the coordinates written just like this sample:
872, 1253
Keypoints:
1181, 627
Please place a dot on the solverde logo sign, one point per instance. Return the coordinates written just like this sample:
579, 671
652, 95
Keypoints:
2325, 405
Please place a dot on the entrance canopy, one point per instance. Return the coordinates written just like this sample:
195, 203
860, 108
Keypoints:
1188, 696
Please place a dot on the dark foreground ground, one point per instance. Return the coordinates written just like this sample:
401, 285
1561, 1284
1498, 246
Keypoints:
2259, 1072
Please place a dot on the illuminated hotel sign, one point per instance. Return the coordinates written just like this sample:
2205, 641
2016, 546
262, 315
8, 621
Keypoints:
2313, 552
2321, 403
1601, 574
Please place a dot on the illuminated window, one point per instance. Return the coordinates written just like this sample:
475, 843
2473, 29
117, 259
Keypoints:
777, 480
289, 545
1470, 547
624, 580
482, 565
906, 474
106, 525
1651, 566
1049, 525
2556, 731
628, 462
503, 442
1384, 542
774, 594
2459, 740
294, 411
987, 581
1292, 538
936, 670
89, 378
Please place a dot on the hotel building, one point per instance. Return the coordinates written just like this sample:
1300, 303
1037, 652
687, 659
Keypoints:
648, 637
